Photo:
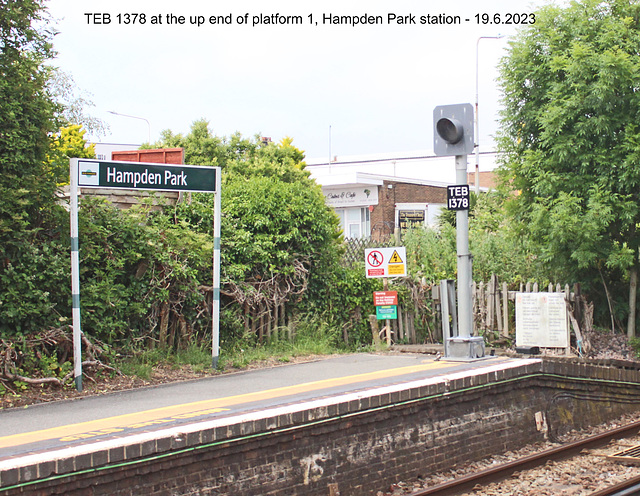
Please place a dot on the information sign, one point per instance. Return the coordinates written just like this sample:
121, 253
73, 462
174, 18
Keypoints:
410, 218
383, 298
387, 312
386, 262
541, 320
458, 197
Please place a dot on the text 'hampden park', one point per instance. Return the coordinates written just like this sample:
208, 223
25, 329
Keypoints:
146, 178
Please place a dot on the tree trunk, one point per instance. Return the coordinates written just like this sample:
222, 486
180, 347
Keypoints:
633, 290
606, 290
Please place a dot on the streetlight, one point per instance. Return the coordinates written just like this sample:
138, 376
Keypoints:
477, 130
134, 117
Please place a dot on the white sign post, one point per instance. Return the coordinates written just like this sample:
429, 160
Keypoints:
140, 176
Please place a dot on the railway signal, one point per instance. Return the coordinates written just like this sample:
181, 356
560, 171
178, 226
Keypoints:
453, 136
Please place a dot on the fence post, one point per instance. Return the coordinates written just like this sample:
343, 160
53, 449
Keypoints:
490, 291
373, 321
505, 310
577, 308
495, 296
482, 315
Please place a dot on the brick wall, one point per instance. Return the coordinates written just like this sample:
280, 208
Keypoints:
363, 446
383, 221
488, 179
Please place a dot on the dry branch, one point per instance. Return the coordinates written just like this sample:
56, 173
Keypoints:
48, 343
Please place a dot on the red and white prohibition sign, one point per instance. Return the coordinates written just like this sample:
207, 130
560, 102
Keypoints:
375, 258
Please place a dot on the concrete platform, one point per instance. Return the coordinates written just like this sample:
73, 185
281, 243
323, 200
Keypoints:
53, 431
350, 424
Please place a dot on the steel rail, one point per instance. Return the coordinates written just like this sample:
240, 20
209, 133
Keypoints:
505, 470
626, 488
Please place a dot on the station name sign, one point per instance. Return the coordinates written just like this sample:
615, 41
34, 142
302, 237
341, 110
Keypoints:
144, 176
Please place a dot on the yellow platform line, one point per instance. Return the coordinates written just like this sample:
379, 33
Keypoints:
157, 416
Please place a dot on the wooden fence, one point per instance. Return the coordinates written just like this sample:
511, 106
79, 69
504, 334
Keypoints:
494, 310
491, 303
419, 319
355, 247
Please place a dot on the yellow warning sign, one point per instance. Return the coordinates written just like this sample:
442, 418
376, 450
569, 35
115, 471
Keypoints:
396, 270
395, 258
386, 262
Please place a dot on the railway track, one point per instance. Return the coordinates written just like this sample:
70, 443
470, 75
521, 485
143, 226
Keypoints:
501, 472
627, 488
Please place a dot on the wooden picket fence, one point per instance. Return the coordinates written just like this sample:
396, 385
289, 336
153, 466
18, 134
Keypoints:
494, 303
403, 330
419, 318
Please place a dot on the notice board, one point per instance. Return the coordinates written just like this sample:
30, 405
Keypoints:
542, 320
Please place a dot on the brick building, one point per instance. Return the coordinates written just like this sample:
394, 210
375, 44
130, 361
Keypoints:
375, 195
370, 205
488, 180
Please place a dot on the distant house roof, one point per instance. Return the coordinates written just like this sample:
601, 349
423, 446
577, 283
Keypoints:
415, 166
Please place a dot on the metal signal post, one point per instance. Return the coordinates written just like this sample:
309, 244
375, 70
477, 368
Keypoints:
453, 136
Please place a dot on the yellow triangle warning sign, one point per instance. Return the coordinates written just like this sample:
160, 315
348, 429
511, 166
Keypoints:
395, 258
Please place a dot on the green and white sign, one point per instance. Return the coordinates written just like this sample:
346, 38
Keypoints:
140, 176
387, 312
143, 176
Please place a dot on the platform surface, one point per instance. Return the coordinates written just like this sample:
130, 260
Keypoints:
41, 430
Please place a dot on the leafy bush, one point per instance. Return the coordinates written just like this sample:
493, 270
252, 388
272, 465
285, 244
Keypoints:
494, 242
141, 276
431, 253
32, 287
344, 299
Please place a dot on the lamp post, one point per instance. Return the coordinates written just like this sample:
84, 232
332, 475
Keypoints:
134, 117
477, 116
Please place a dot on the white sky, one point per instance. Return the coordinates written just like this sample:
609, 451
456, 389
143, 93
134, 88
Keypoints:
375, 87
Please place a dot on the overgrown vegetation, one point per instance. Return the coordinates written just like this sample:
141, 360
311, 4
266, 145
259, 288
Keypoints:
568, 211
571, 144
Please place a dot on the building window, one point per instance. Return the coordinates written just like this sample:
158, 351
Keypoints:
355, 222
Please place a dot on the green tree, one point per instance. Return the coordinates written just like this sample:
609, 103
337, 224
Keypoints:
68, 143
33, 263
498, 248
571, 139
26, 121
496, 245
203, 147
279, 239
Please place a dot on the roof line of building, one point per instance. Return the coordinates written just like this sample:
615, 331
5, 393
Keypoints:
366, 178
398, 179
391, 159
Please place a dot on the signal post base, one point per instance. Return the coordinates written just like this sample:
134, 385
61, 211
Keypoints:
465, 348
